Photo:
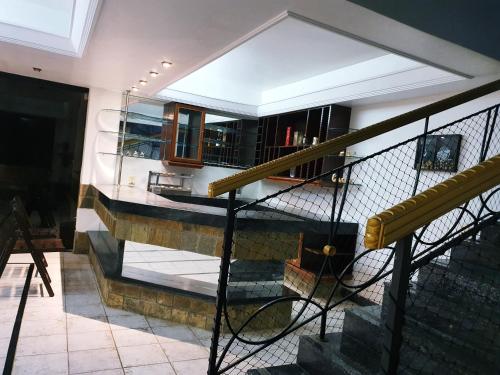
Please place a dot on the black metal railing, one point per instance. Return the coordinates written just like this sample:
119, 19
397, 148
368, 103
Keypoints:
277, 279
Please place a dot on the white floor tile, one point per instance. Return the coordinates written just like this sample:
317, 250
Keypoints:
41, 345
53, 364
90, 340
134, 321
133, 337
174, 333
159, 369
80, 324
142, 355
88, 311
93, 360
182, 351
39, 328
194, 367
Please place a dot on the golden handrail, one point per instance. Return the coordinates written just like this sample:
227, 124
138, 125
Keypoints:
339, 144
403, 219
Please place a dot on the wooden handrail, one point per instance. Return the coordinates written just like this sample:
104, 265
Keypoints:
403, 219
339, 144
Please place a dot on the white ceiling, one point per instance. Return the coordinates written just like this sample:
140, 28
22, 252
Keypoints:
291, 50
131, 37
295, 63
59, 26
48, 16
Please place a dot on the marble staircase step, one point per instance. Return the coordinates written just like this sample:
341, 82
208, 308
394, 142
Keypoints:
427, 349
480, 284
361, 336
325, 358
292, 369
479, 253
491, 234
475, 325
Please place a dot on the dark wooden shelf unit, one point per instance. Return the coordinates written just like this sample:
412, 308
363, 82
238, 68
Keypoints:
230, 143
326, 122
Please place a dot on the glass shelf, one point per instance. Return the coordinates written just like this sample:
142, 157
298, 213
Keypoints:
126, 156
348, 156
132, 136
227, 165
138, 116
216, 143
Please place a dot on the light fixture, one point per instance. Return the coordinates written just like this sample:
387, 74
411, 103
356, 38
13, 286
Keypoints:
154, 74
143, 82
166, 64
135, 89
36, 69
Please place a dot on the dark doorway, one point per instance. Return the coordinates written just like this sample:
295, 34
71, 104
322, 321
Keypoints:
42, 128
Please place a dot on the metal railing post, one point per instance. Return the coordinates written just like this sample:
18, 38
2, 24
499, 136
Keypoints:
223, 278
393, 328
422, 150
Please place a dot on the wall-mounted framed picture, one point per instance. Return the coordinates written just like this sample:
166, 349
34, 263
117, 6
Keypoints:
440, 152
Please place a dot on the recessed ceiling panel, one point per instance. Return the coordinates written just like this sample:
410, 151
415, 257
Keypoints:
48, 16
297, 62
60, 26
290, 51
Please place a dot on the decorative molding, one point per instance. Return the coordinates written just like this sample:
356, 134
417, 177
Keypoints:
66, 46
224, 106
335, 145
90, 20
329, 96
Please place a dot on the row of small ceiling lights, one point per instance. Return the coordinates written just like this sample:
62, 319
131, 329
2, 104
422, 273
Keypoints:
152, 74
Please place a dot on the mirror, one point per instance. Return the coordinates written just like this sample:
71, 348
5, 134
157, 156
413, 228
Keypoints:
187, 138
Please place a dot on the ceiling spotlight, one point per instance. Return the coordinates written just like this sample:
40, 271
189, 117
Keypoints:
38, 70
166, 64
154, 74
135, 89
143, 82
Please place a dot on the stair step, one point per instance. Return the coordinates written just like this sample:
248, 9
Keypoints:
491, 234
292, 369
361, 338
325, 358
474, 333
429, 346
479, 253
444, 352
480, 284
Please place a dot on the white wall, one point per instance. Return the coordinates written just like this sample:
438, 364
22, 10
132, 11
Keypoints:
98, 168
138, 169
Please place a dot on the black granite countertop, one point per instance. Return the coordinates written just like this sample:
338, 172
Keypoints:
209, 211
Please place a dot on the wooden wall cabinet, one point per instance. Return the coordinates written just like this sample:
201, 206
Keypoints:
182, 131
286, 133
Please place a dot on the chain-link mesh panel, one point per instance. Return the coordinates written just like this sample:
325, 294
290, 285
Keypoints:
283, 283
452, 320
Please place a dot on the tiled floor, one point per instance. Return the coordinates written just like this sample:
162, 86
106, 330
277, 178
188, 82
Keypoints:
180, 263
74, 333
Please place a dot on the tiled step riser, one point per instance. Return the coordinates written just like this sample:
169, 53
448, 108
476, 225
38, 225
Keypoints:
454, 355
324, 358
459, 307
279, 370
463, 319
462, 279
491, 234
477, 334
361, 336
427, 344
480, 253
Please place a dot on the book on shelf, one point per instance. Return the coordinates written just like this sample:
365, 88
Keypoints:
288, 135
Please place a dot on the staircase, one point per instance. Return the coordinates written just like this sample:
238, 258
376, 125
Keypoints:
452, 322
